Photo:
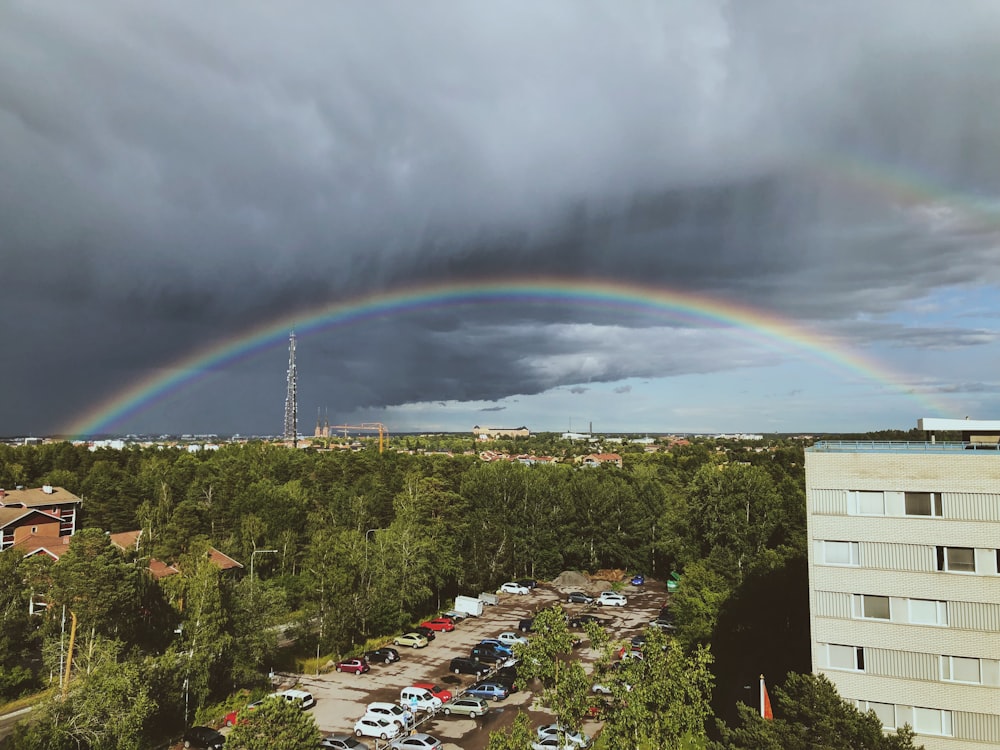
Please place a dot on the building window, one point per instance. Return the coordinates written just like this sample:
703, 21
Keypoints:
928, 612
886, 712
923, 504
871, 607
961, 669
866, 503
956, 559
846, 657
932, 721
841, 553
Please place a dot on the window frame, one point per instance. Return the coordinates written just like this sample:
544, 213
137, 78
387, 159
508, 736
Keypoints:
934, 502
860, 606
947, 669
854, 504
943, 562
853, 553
944, 721
940, 609
857, 654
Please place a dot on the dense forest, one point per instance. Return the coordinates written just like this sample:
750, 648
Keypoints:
348, 546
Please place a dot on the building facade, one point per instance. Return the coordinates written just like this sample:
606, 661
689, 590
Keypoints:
904, 580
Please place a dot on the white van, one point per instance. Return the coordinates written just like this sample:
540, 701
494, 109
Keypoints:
300, 697
392, 712
418, 699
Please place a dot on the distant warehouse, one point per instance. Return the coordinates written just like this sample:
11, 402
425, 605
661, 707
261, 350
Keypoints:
491, 433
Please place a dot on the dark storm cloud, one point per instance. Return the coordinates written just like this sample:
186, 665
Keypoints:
494, 408
173, 174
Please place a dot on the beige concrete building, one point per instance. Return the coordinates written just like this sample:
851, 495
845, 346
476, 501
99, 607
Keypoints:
904, 580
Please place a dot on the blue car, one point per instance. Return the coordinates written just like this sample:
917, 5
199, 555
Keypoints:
638, 579
497, 646
488, 690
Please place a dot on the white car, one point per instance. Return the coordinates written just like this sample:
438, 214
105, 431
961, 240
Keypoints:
419, 741
558, 731
514, 588
371, 725
390, 712
611, 599
510, 638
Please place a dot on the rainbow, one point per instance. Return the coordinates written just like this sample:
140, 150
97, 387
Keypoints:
681, 307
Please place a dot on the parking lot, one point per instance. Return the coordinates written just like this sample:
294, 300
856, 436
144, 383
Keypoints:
342, 698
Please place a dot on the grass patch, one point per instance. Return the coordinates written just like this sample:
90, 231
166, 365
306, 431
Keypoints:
27, 701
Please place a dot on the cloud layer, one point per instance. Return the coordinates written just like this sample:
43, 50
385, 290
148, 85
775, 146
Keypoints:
175, 174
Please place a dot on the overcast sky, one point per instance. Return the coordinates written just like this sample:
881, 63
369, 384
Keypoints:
173, 175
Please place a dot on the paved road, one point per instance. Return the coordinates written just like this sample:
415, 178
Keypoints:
342, 698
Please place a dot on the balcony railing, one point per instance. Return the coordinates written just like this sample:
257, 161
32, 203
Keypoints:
901, 446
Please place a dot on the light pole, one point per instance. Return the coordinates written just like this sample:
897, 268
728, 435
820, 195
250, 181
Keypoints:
252, 555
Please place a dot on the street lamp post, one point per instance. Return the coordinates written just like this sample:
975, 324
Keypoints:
252, 555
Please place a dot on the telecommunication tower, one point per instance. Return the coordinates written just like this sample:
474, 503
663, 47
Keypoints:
292, 396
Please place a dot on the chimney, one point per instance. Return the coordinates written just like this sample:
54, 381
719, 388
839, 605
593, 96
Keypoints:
47, 489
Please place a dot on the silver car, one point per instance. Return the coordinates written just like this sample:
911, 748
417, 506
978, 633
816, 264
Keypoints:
471, 707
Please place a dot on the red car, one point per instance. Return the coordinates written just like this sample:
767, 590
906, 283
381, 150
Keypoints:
230, 719
441, 624
358, 666
436, 690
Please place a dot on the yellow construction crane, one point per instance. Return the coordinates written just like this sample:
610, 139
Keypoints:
381, 429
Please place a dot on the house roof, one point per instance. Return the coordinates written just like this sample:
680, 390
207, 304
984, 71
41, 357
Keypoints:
37, 497
127, 540
603, 457
18, 513
224, 561
53, 546
160, 569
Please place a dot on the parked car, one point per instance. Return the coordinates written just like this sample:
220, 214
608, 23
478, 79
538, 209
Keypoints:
638, 579
554, 742
342, 742
663, 624
391, 712
611, 599
471, 707
486, 655
577, 621
462, 665
578, 739
204, 737
527, 625
514, 588
303, 699
638, 641
386, 654
418, 741
425, 632
497, 645
489, 690
506, 676
357, 666
578, 597
370, 725
419, 699
414, 640
509, 638
528, 583
454, 615
442, 624
436, 690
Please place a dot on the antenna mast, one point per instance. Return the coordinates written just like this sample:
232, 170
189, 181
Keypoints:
292, 396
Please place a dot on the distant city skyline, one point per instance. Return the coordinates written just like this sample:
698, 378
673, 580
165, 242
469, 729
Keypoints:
706, 217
